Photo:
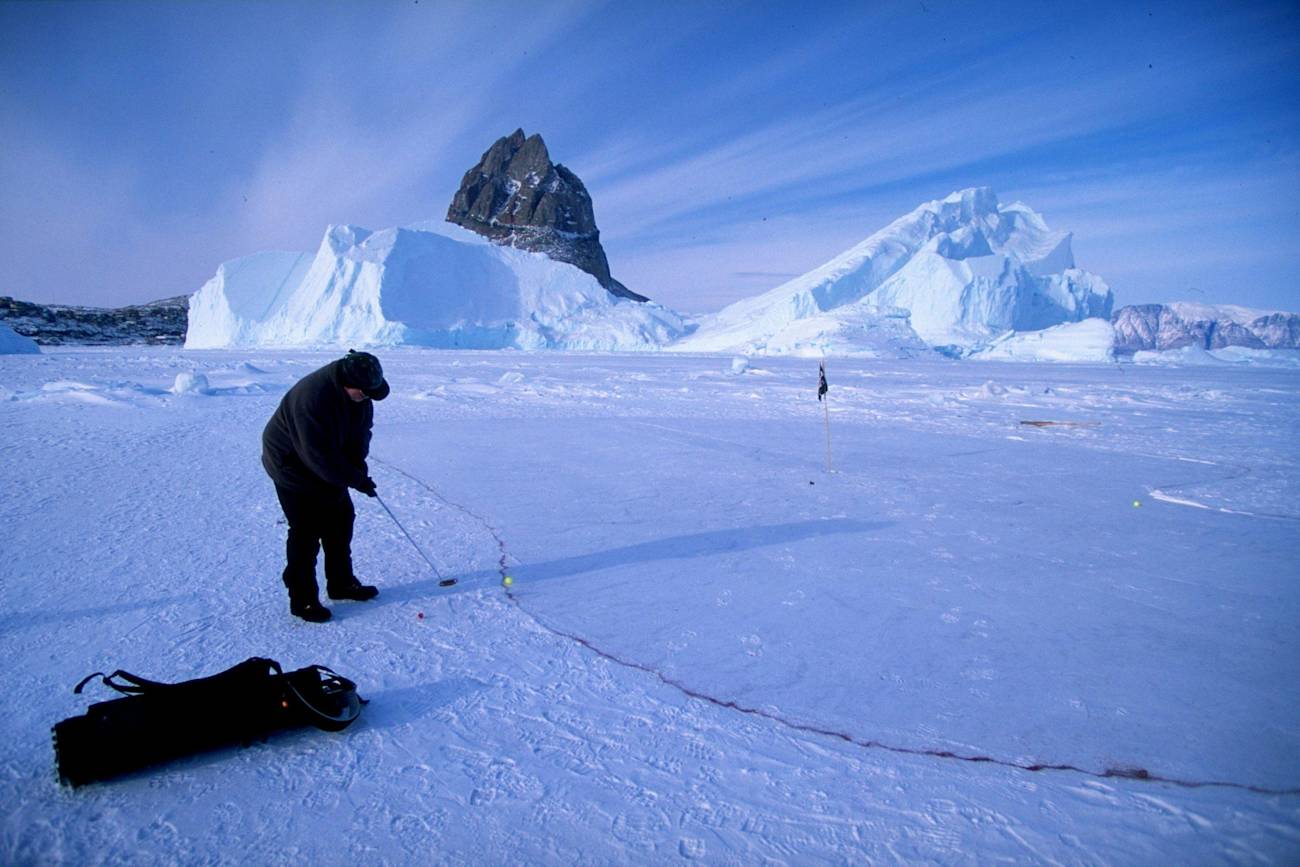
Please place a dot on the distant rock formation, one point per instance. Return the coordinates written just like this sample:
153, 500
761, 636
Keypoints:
1172, 326
516, 196
158, 322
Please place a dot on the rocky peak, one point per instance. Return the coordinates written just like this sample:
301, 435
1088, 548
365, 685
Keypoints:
516, 196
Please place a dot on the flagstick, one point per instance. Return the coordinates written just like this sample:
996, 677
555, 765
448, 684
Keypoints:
826, 406
828, 439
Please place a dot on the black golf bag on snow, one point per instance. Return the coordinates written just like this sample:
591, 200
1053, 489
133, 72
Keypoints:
158, 722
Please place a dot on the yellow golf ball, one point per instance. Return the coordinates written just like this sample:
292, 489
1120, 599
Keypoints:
1137, 503
507, 581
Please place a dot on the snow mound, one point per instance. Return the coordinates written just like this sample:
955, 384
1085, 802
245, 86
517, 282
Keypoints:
191, 383
414, 286
511, 377
963, 270
13, 343
1089, 340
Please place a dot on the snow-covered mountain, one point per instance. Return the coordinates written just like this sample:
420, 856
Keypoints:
1161, 327
430, 285
963, 270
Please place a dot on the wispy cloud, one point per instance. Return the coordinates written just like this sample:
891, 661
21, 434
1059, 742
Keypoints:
965, 117
736, 259
373, 143
1157, 227
349, 156
1101, 121
722, 150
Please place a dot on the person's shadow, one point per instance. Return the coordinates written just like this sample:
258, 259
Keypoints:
684, 547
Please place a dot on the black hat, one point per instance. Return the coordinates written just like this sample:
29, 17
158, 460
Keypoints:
362, 370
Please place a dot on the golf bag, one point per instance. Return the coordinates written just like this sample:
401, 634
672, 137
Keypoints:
158, 722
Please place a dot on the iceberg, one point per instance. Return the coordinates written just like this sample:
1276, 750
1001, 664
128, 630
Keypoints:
13, 343
436, 286
1091, 340
963, 270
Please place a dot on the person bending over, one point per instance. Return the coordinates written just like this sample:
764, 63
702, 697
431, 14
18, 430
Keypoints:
314, 448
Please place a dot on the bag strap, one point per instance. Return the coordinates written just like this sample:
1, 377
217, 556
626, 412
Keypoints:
135, 685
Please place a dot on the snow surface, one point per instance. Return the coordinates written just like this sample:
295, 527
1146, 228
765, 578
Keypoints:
714, 650
965, 269
13, 343
425, 286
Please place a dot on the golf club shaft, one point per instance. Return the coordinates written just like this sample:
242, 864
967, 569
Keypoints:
408, 536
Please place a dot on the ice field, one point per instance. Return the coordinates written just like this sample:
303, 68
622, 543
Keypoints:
975, 640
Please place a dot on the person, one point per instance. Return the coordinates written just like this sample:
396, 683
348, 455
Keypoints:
314, 448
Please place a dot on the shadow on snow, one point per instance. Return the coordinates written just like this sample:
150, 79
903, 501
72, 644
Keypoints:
685, 547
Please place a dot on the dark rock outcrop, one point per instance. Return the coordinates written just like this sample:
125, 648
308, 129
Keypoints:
516, 196
158, 322
1172, 326
1278, 330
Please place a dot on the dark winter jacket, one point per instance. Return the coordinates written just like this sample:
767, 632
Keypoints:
318, 439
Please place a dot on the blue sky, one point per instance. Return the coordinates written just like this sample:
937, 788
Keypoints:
727, 146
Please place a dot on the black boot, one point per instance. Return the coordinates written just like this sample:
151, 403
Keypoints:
312, 611
352, 589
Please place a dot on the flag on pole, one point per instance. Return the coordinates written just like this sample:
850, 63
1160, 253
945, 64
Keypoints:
822, 387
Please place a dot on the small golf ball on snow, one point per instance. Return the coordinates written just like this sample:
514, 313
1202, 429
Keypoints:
507, 581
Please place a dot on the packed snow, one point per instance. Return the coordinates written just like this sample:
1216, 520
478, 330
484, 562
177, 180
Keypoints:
433, 285
13, 343
966, 269
1033, 613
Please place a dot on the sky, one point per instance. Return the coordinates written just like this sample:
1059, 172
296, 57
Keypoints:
727, 146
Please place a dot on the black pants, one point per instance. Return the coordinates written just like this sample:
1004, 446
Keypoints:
316, 521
